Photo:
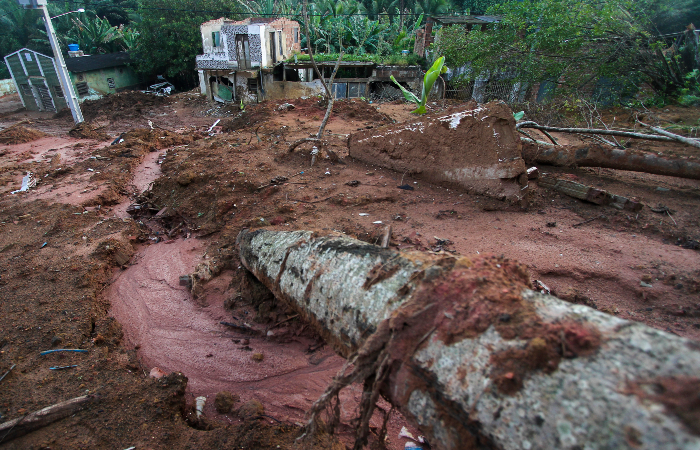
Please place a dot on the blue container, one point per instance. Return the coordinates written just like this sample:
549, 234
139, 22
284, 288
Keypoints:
404, 52
73, 47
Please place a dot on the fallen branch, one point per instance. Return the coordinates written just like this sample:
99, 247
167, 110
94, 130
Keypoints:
630, 134
597, 156
298, 142
675, 137
462, 346
588, 220
39, 419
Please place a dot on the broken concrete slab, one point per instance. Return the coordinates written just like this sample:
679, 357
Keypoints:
476, 148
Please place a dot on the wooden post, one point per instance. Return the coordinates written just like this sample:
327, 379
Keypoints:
473, 356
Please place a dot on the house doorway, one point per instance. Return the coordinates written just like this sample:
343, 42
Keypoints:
273, 49
243, 51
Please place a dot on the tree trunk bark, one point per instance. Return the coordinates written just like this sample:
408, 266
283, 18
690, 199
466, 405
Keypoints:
596, 156
474, 357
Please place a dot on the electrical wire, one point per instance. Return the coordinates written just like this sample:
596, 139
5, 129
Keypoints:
207, 11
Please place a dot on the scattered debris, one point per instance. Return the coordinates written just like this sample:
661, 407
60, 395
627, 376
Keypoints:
157, 373
63, 367
285, 107
215, 124
540, 286
646, 285
602, 216
28, 182
33, 421
406, 187
533, 173
245, 327
8, 371
199, 405
74, 350
258, 357
353, 183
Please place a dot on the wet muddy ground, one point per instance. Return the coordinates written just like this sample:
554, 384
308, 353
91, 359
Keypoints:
93, 256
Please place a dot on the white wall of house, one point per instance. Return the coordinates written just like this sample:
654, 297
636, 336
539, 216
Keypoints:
202, 82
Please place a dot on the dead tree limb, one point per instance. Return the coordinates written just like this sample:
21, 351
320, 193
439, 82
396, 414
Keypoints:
469, 353
39, 419
298, 142
629, 134
611, 158
675, 137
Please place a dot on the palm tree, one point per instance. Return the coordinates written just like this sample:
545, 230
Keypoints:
432, 7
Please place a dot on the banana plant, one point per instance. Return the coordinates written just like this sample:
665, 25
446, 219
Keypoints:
429, 80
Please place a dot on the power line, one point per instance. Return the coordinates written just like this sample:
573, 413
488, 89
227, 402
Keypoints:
206, 11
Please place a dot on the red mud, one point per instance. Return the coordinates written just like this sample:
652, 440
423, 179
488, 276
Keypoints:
174, 333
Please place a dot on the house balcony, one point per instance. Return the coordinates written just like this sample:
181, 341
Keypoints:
215, 61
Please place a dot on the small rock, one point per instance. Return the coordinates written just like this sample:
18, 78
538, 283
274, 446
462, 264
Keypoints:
251, 408
224, 401
56, 340
646, 285
258, 357
679, 286
646, 278
551, 224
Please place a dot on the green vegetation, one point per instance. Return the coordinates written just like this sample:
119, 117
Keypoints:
572, 43
429, 80
390, 60
575, 44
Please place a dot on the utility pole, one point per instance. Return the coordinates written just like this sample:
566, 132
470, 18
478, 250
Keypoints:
62, 71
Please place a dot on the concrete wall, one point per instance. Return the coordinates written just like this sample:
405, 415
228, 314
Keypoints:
7, 87
275, 90
123, 77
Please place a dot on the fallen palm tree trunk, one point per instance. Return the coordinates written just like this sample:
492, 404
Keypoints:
653, 137
596, 156
39, 419
588, 193
469, 353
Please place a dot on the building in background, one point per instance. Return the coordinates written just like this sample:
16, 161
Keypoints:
97, 75
238, 53
36, 80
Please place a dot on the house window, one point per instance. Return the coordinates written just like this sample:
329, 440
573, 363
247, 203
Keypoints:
82, 89
296, 35
28, 56
279, 35
111, 83
253, 85
216, 38
58, 91
80, 77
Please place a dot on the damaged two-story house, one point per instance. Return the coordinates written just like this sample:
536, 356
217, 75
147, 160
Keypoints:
237, 53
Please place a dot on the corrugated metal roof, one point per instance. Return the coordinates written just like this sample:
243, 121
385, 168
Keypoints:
97, 62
